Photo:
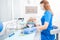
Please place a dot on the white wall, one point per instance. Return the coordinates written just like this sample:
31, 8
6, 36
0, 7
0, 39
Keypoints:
5, 10
19, 9
56, 10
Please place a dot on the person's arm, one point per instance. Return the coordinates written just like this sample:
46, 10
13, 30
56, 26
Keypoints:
43, 27
47, 20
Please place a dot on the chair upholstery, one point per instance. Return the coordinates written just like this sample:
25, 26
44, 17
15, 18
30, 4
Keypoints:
1, 26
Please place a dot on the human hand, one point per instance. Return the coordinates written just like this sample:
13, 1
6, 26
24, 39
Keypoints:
37, 25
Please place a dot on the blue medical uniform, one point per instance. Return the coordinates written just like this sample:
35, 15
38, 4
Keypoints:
45, 34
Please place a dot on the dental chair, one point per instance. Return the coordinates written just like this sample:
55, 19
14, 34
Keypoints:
53, 32
1, 31
1, 26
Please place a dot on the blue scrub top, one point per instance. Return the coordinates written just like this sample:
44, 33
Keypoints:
45, 34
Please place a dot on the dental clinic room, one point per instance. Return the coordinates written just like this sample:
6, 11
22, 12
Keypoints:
29, 20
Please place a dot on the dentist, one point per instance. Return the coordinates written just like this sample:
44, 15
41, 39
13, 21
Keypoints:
46, 21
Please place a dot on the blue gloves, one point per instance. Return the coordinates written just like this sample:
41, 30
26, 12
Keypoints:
29, 30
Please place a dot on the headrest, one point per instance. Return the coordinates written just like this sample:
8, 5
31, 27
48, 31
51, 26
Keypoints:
1, 26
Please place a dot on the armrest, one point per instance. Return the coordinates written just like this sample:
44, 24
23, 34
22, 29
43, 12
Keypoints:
55, 30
